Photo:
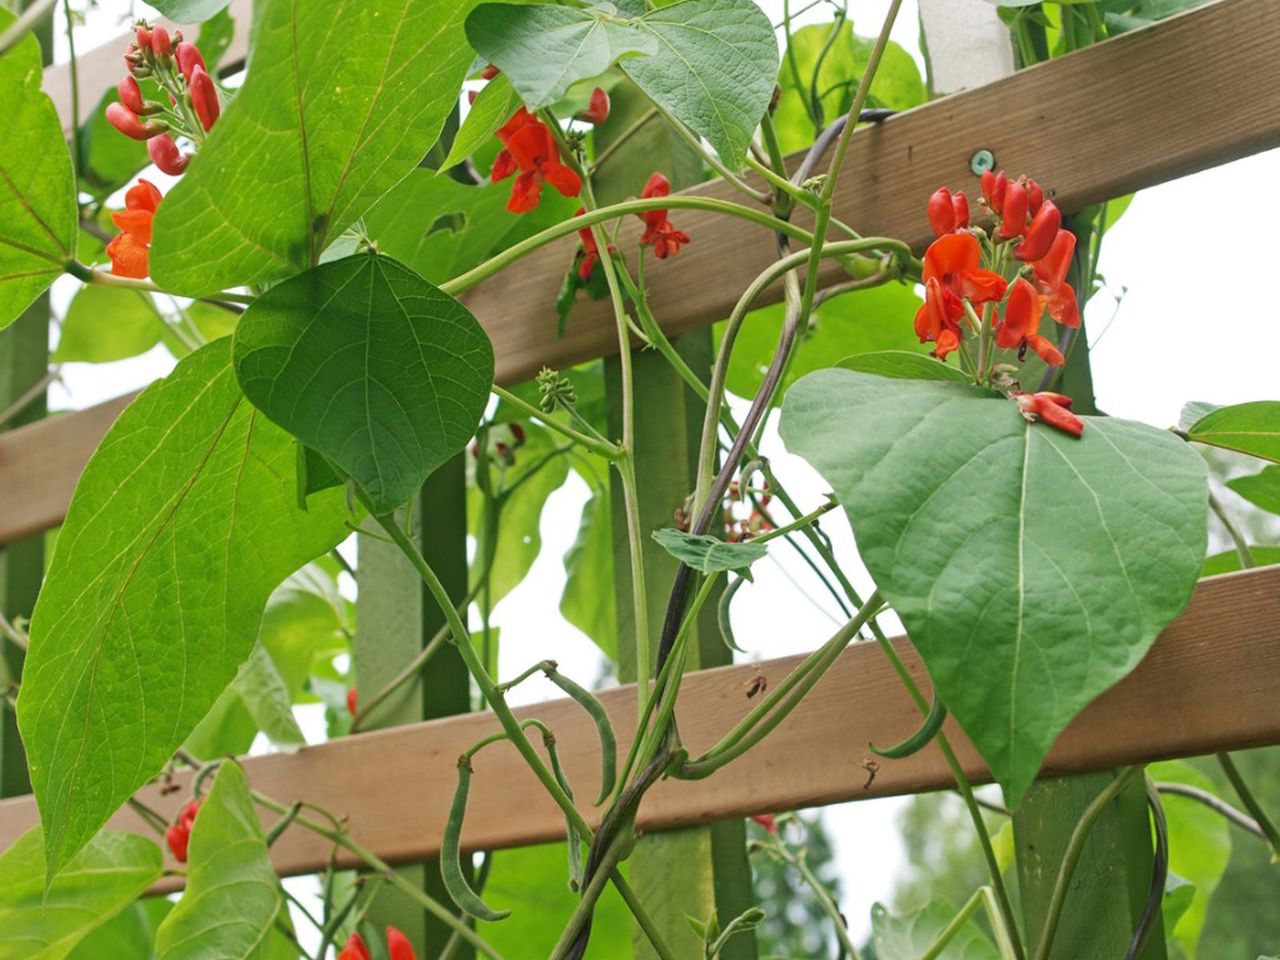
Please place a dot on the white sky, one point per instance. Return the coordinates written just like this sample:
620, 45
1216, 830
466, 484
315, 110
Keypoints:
1195, 323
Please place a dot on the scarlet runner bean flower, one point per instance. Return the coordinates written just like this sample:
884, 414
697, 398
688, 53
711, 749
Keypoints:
204, 97
355, 949
165, 155
128, 252
767, 821
952, 274
128, 123
598, 109
658, 231
1020, 328
1051, 279
590, 251
398, 947
180, 73
353, 700
178, 836
948, 212
1052, 408
530, 147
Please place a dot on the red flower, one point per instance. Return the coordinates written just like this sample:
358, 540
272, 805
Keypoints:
767, 822
1052, 408
1021, 324
178, 836
1013, 211
127, 122
1041, 234
993, 189
130, 94
658, 231
591, 252
948, 212
161, 45
165, 155
531, 148
204, 96
1051, 279
128, 252
938, 319
188, 57
953, 261
598, 110
398, 946
352, 700
355, 949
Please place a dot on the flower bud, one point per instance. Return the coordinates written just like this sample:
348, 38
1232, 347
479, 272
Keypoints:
188, 57
131, 94
960, 204
1035, 197
161, 45
398, 946
127, 122
1041, 234
597, 111
143, 36
1014, 211
165, 155
489, 72
942, 212
355, 949
204, 97
353, 701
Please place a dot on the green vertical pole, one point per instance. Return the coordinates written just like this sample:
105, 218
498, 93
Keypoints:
1112, 879
395, 619
693, 871
24, 360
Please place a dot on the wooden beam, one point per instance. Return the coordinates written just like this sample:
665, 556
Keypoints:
1143, 108
1208, 684
101, 68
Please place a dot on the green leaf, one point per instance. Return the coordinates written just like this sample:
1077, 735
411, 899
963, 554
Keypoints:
588, 598
864, 321
709, 555
1177, 899
902, 365
106, 876
532, 882
544, 49
129, 935
38, 215
714, 71
370, 365
183, 523
305, 621
108, 323
324, 125
1252, 428
189, 11
262, 690
1229, 561
1199, 847
1032, 569
1260, 489
233, 896
494, 106
909, 936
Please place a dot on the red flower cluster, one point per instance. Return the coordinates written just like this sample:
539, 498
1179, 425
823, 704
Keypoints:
658, 231
530, 147
128, 252
398, 947
953, 274
178, 836
766, 822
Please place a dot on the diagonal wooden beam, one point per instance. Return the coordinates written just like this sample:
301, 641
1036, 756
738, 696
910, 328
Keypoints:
1208, 684
1141, 109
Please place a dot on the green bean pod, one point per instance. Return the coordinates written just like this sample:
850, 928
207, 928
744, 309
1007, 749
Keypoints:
608, 742
722, 614
920, 739
455, 880
571, 828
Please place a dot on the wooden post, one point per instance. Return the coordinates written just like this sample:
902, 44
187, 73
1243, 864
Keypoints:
395, 619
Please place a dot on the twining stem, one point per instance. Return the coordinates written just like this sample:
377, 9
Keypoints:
1237, 537
1251, 803
82, 272
587, 905
1214, 803
981, 897
602, 447
1071, 857
73, 64
713, 161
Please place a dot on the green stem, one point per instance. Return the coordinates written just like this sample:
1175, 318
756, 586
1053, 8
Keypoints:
602, 447
1075, 846
954, 926
1251, 803
1237, 537
712, 160
89, 275
73, 65
587, 905
622, 138
829, 907
24, 24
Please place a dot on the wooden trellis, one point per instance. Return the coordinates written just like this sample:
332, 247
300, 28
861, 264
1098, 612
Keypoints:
1129, 113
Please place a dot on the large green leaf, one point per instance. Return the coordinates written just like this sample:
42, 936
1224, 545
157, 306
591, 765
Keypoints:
1199, 847
1252, 428
902, 365
545, 49
1260, 489
105, 878
710, 63
108, 323
493, 107
588, 598
38, 216
909, 936
233, 895
1032, 569
183, 523
370, 365
327, 121
129, 935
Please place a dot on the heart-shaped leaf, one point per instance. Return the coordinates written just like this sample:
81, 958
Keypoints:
233, 895
367, 363
1031, 569
324, 125
111, 872
1252, 428
545, 49
38, 216
182, 524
